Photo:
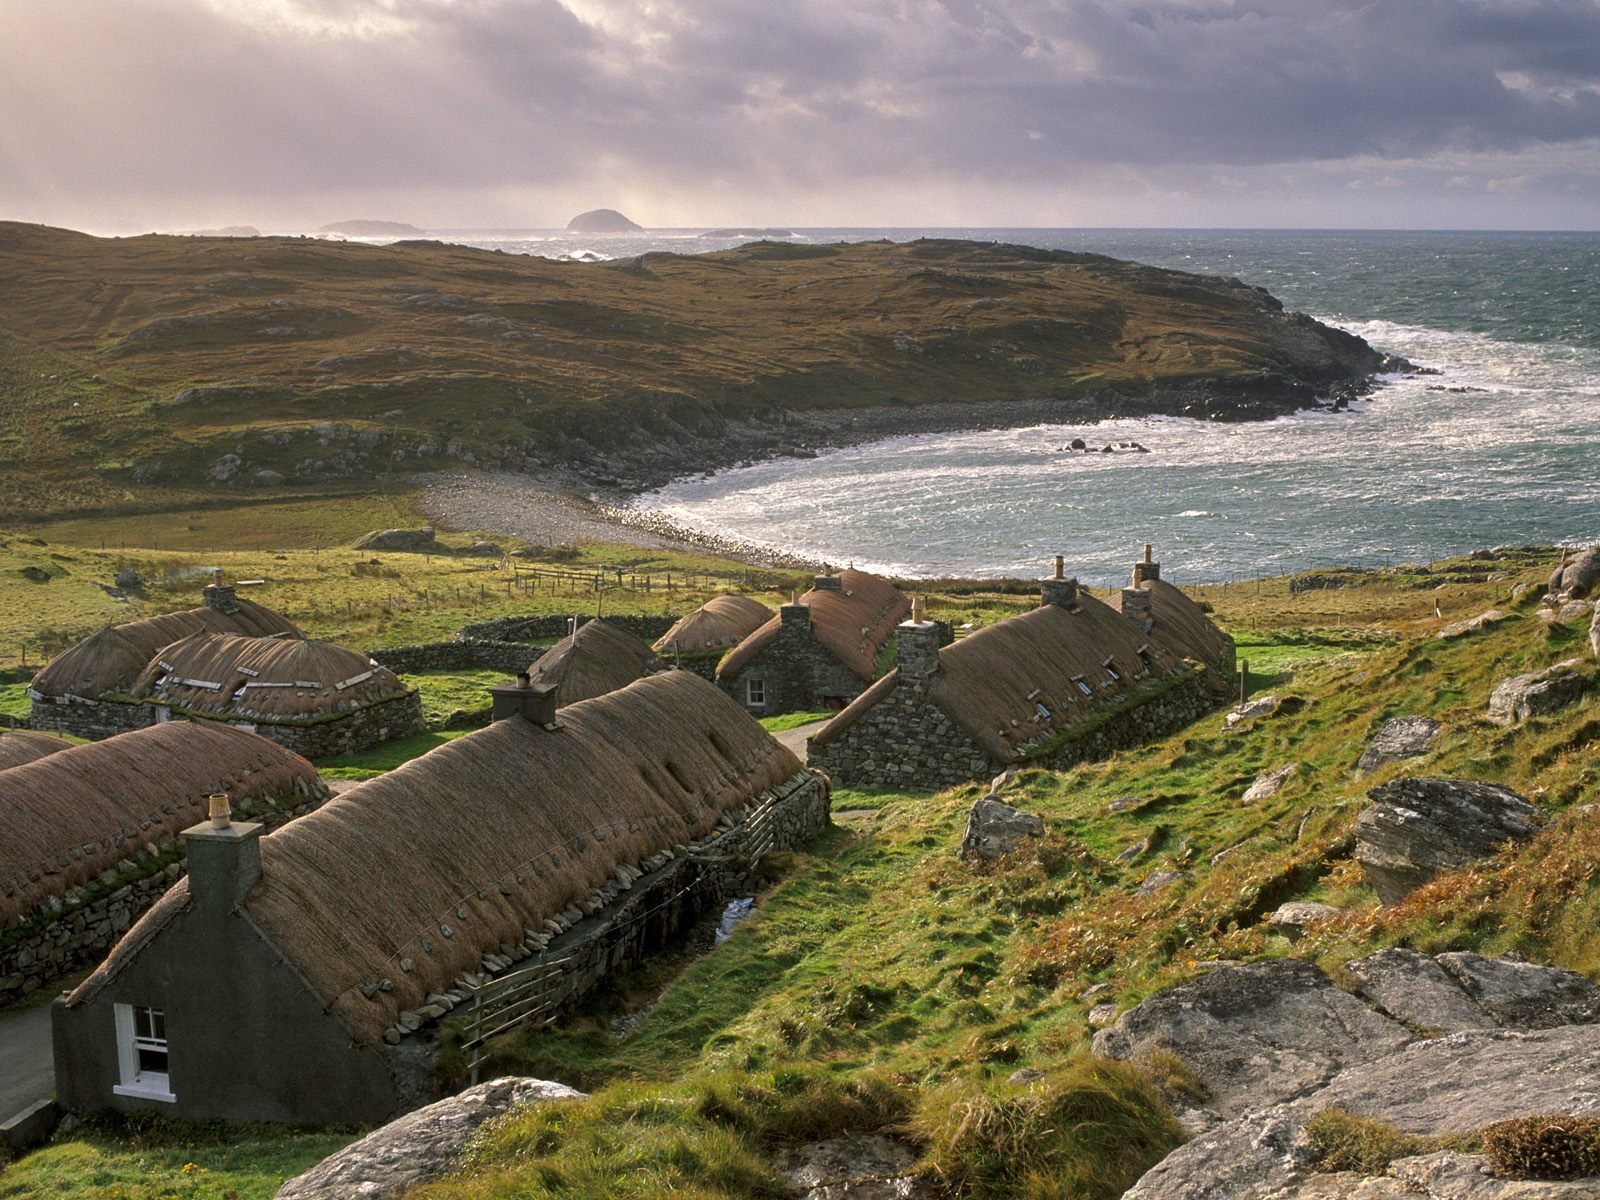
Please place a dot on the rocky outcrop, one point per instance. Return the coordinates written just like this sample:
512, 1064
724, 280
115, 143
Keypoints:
995, 829
1484, 620
1269, 784
1293, 918
1443, 1175
1536, 693
855, 1166
410, 541
1398, 738
602, 220
1594, 632
1579, 577
419, 1146
1261, 706
1460, 991
1416, 828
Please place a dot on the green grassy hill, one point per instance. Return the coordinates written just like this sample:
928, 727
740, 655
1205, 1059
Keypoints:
883, 983
154, 371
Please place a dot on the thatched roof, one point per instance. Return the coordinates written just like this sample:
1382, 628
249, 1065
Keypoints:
599, 658
456, 853
112, 659
265, 679
18, 746
853, 622
1018, 683
1183, 627
66, 818
721, 623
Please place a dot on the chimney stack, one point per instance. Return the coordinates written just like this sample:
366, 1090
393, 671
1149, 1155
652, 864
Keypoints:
219, 595
1148, 570
795, 618
533, 702
1138, 605
224, 858
917, 644
827, 583
1059, 589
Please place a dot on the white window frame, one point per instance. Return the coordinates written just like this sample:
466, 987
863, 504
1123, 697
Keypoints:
141, 1084
755, 693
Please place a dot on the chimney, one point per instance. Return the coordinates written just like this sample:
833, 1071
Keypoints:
1137, 605
533, 702
827, 583
917, 644
795, 619
224, 858
1146, 571
1059, 589
219, 595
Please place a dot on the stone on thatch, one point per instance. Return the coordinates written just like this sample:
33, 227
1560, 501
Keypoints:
719, 624
264, 679
66, 818
853, 621
599, 658
20, 746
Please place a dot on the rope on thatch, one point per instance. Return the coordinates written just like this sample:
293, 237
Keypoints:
721, 623
853, 622
20, 746
597, 659
66, 818
266, 680
111, 660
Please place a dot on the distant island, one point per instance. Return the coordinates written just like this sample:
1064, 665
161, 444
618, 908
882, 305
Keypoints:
749, 233
373, 229
602, 220
224, 231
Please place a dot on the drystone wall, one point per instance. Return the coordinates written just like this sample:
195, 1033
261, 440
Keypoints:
347, 733
95, 720
533, 629
902, 741
463, 654
1156, 717
80, 926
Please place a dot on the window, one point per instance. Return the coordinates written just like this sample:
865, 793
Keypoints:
142, 1053
755, 693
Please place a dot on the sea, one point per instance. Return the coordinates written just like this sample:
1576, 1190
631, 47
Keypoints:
1500, 447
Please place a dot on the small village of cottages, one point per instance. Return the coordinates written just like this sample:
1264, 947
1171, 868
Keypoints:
165, 829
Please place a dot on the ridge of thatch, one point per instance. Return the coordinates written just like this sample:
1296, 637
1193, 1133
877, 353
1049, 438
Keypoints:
597, 659
68, 817
853, 622
1183, 627
721, 623
268, 680
110, 661
18, 746
415, 876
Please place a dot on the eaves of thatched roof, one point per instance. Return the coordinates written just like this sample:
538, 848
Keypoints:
20, 746
599, 658
721, 623
112, 659
853, 622
267, 680
413, 877
68, 817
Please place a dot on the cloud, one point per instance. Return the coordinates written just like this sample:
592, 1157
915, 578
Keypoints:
209, 103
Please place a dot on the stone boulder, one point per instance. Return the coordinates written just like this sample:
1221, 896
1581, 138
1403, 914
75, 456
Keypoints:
1536, 693
1484, 620
1578, 577
1256, 1034
411, 541
129, 580
1443, 1175
1293, 918
1461, 991
419, 1146
1567, 612
1396, 739
995, 829
484, 549
1269, 784
1261, 706
1450, 1085
855, 1166
1416, 828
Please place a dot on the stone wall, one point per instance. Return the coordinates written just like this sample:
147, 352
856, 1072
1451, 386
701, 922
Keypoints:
78, 928
463, 654
95, 720
347, 732
797, 673
534, 629
1156, 717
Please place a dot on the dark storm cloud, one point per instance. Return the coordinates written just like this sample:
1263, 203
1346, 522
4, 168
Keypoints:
174, 95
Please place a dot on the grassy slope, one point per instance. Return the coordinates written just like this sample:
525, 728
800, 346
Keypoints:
883, 981
432, 352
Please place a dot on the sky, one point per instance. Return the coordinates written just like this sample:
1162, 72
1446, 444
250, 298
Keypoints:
126, 116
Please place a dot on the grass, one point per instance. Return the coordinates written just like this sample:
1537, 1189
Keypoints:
457, 698
792, 721
14, 700
385, 757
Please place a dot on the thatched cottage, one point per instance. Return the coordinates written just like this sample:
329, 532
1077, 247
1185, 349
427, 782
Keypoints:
18, 746
298, 977
315, 698
595, 659
86, 691
1073, 679
698, 640
819, 652
88, 835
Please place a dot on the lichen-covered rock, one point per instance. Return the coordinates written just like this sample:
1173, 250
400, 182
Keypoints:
1536, 693
1578, 577
1256, 1034
1398, 738
1269, 784
414, 541
1523, 995
1484, 620
1291, 919
1261, 706
419, 1146
994, 829
1416, 828
1444, 1175
855, 1166
1413, 988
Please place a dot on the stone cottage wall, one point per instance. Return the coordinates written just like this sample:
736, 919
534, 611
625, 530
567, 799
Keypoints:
81, 926
902, 741
463, 654
533, 629
348, 732
95, 720
799, 675
1157, 717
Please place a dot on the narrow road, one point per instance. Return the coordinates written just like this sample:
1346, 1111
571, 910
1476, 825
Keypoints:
795, 739
27, 1070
